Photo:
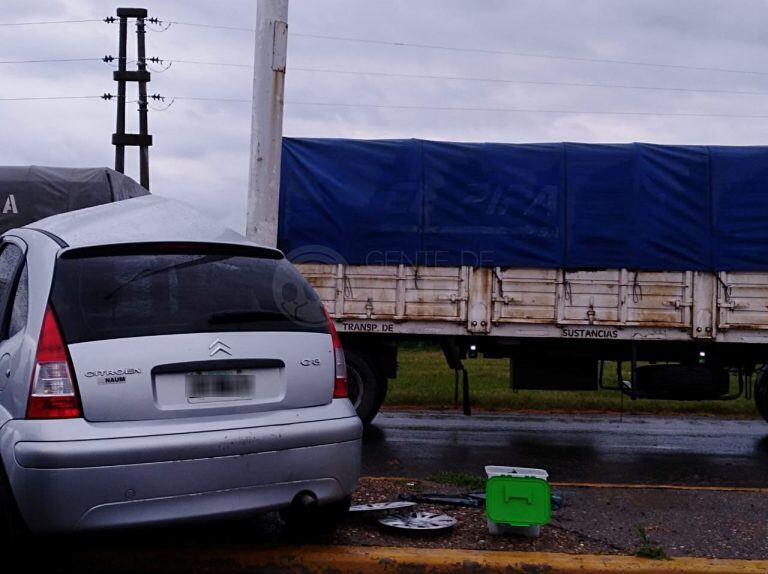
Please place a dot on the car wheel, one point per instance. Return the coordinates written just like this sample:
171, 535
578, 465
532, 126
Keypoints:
367, 386
12, 527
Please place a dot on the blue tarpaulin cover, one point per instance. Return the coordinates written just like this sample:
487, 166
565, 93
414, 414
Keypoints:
552, 205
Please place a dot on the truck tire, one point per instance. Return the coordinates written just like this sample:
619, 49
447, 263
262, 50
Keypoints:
761, 394
367, 385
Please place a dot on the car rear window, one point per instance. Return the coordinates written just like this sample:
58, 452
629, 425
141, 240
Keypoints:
147, 290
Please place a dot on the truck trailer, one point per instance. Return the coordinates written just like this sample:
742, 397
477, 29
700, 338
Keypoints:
558, 256
32, 192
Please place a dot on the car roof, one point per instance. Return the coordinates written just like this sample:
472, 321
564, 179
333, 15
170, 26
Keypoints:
145, 219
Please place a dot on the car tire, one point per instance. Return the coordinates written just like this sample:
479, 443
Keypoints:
12, 527
367, 385
316, 520
761, 394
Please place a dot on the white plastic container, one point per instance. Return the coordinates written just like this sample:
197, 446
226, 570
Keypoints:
516, 471
498, 529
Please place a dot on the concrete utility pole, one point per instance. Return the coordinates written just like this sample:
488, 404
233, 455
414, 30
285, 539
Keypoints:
120, 139
267, 120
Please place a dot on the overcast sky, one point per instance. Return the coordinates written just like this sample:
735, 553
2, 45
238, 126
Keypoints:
201, 148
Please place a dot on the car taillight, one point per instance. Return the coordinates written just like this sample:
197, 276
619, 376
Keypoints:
339, 363
54, 390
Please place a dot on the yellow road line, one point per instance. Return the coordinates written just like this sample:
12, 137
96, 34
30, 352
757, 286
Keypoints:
566, 484
375, 560
660, 487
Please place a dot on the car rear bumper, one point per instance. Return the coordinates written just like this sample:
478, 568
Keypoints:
126, 480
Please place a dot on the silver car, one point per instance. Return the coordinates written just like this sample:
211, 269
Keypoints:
156, 367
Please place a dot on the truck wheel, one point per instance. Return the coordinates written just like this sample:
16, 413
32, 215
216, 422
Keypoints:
367, 386
761, 394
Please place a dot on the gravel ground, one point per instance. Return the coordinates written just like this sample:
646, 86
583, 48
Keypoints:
721, 524
703, 523
470, 532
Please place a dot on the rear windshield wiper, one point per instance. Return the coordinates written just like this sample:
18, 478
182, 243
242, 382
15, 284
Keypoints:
148, 272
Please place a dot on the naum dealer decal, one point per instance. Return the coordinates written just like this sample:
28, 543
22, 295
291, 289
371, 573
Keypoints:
112, 377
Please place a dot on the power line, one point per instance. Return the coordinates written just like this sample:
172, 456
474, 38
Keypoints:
201, 99
486, 79
52, 60
529, 110
38, 98
50, 22
171, 61
527, 82
529, 54
415, 107
200, 25
106, 96
477, 109
109, 59
201, 63
483, 50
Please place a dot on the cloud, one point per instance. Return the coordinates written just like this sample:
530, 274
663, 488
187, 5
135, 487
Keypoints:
201, 148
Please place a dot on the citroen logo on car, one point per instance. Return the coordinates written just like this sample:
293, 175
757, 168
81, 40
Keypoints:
219, 346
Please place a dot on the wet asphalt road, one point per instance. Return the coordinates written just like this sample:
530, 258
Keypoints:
579, 448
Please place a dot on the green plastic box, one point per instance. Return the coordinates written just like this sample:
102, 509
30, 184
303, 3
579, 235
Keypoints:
518, 500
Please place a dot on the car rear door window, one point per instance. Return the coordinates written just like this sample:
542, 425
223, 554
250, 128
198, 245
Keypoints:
20, 304
180, 289
11, 257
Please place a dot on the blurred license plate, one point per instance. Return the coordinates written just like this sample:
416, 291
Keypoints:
219, 386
